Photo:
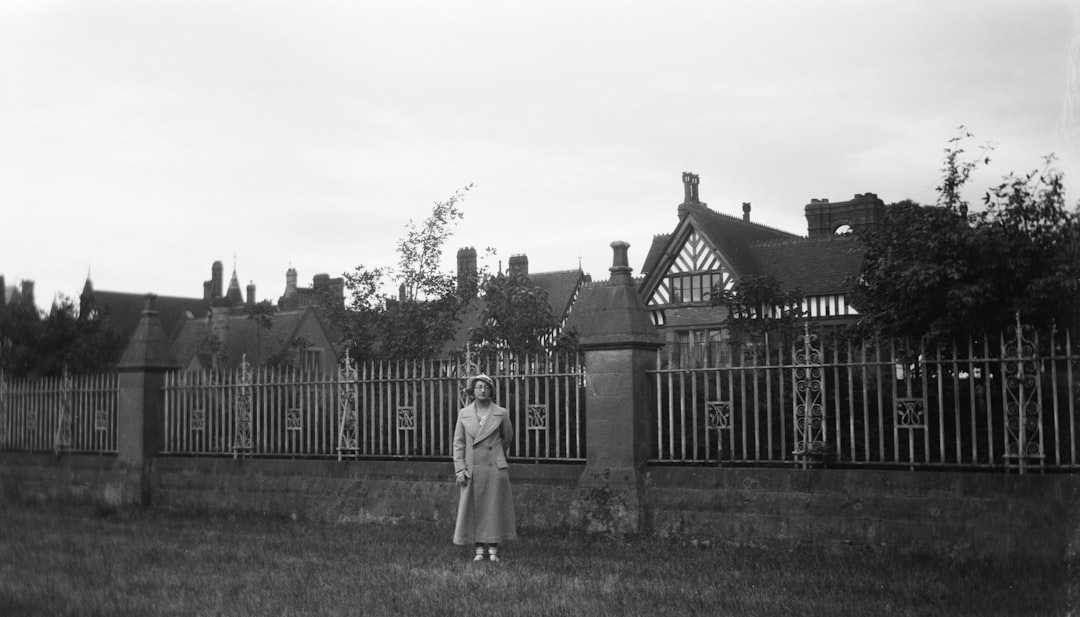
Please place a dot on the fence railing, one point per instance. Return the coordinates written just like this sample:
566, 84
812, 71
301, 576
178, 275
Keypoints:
71, 413
374, 409
1007, 402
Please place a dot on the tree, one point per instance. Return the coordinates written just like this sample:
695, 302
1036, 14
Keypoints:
757, 307
36, 346
262, 314
517, 316
422, 317
943, 272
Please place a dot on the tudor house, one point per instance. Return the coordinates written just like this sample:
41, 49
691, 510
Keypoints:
709, 250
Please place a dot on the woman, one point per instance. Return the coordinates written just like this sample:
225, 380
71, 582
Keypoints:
486, 506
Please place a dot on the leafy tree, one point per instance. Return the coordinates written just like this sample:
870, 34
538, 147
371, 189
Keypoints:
33, 346
20, 329
262, 314
423, 316
943, 272
517, 316
757, 307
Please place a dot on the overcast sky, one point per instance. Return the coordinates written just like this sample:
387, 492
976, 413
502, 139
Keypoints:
140, 141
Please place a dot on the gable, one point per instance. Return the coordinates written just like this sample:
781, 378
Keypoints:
694, 267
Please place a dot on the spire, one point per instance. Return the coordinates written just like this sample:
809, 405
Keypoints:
234, 295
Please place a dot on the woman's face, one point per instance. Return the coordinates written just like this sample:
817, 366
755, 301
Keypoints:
481, 391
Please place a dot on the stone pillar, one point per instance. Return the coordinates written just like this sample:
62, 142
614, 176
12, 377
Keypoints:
620, 343
140, 415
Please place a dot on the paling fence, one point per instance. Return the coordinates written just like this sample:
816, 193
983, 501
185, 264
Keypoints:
404, 409
1007, 402
70, 413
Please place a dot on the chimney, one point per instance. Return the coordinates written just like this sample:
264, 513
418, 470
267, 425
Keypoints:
217, 279
466, 272
207, 290
620, 263
690, 188
3, 291
746, 211
251, 294
28, 292
519, 264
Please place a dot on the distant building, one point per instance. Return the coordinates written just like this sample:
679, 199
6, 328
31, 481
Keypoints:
709, 251
323, 289
561, 287
215, 330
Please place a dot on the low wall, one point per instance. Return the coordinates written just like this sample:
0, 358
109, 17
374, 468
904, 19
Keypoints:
936, 512
944, 513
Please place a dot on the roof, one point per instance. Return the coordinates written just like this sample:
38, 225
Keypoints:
730, 235
816, 267
243, 338
125, 310
561, 287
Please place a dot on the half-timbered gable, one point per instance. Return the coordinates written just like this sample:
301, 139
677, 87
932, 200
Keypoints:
709, 251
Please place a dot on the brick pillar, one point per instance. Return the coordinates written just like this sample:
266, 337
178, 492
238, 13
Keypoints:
620, 343
140, 415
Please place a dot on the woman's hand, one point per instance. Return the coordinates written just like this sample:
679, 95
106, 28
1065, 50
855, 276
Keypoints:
462, 479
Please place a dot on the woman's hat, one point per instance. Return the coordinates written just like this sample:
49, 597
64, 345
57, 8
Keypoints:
481, 377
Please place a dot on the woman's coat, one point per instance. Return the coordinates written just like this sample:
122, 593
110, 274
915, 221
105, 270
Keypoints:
485, 505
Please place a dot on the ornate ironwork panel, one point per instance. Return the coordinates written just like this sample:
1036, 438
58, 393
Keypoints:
809, 400
101, 420
293, 419
63, 429
243, 438
910, 412
348, 419
406, 418
718, 415
1023, 409
198, 419
536, 417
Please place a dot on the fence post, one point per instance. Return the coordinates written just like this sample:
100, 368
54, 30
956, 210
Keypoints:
620, 343
140, 429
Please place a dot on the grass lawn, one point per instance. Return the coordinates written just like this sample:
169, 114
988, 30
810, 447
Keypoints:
71, 560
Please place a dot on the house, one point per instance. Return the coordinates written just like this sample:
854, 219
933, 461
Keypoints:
215, 330
561, 288
13, 294
228, 337
709, 250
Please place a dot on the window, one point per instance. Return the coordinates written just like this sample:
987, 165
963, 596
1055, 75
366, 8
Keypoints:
700, 348
311, 360
687, 288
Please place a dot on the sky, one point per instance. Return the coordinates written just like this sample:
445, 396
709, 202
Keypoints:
141, 141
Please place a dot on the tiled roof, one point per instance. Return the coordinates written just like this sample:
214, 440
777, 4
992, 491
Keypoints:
125, 310
732, 236
560, 287
243, 337
817, 267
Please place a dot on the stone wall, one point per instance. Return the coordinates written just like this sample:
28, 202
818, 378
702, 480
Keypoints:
950, 513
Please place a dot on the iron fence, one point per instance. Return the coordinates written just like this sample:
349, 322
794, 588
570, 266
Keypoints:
1003, 402
70, 413
404, 409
